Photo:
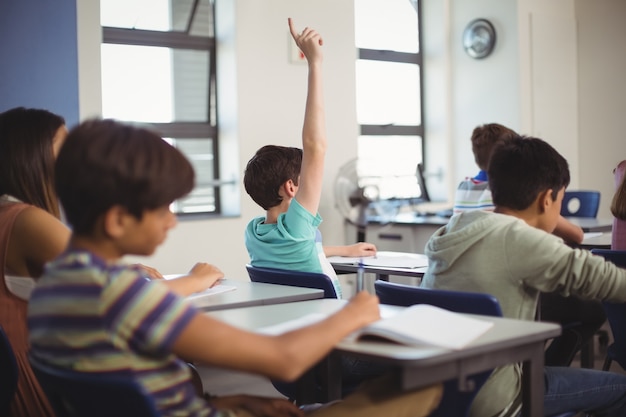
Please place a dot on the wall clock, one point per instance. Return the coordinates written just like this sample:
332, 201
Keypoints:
479, 38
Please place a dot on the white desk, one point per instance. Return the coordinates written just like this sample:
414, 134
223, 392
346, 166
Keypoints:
592, 224
509, 341
381, 272
602, 241
250, 294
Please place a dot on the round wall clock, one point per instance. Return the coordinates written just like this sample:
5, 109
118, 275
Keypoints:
479, 38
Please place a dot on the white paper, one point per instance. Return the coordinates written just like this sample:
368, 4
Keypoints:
217, 289
424, 324
385, 259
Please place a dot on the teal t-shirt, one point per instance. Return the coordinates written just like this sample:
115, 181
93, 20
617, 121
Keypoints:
289, 243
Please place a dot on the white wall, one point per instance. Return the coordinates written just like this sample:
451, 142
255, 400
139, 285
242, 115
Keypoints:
271, 94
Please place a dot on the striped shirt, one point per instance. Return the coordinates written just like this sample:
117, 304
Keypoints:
473, 194
92, 316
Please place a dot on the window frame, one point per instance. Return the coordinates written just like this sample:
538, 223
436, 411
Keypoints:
174, 39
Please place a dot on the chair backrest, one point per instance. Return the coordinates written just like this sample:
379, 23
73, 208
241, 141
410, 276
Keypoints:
454, 402
459, 301
80, 394
8, 373
616, 312
580, 204
293, 278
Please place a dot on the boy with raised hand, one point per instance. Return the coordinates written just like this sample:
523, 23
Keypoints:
513, 255
287, 183
90, 312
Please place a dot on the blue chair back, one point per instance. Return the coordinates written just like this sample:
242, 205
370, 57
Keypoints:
580, 204
454, 402
293, 278
8, 373
81, 394
615, 314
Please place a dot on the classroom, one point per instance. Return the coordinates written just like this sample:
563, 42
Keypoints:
555, 73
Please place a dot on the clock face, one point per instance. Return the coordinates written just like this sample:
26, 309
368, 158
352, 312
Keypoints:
479, 38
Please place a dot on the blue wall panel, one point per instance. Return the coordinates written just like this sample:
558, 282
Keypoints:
38, 56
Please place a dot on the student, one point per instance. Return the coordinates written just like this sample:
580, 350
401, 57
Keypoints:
512, 254
30, 232
287, 183
618, 208
581, 318
116, 185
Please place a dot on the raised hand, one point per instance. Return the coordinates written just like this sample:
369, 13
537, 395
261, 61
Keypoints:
309, 42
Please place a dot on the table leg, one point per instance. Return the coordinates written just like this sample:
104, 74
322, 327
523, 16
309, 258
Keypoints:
533, 383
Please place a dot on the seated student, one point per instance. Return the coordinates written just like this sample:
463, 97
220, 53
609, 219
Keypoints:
287, 183
116, 185
513, 255
581, 318
618, 208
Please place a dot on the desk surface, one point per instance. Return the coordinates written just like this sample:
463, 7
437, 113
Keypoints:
592, 224
382, 272
411, 218
250, 294
507, 342
595, 241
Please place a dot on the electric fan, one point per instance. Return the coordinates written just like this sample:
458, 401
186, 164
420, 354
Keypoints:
357, 197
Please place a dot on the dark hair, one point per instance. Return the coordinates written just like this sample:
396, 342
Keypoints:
270, 167
523, 167
27, 158
104, 163
485, 138
618, 203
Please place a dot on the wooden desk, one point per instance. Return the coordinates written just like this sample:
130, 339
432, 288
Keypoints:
509, 341
250, 294
592, 224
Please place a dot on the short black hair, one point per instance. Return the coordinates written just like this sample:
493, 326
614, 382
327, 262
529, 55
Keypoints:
104, 163
270, 167
521, 168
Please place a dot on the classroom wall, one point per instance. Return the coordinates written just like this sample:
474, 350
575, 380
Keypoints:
38, 56
270, 91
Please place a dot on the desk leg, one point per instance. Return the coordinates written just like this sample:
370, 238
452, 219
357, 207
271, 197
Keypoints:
533, 383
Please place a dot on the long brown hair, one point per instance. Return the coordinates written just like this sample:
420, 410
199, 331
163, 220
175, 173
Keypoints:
618, 205
27, 157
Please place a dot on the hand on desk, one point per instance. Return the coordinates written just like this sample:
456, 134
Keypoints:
361, 249
201, 277
363, 309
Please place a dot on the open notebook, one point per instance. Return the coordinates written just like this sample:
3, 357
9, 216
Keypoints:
385, 259
418, 325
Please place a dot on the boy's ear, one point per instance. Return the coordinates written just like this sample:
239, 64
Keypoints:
290, 188
114, 221
545, 200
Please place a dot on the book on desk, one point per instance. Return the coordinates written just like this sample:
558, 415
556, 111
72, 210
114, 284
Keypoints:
385, 259
417, 325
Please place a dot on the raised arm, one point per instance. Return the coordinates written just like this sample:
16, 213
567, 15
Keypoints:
314, 127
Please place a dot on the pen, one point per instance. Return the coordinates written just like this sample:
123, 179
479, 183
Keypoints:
359, 276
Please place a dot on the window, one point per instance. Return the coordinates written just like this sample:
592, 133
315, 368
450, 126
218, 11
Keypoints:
389, 95
159, 69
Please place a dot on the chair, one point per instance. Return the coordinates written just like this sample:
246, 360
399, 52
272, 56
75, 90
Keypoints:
455, 402
293, 278
8, 373
81, 394
615, 314
580, 204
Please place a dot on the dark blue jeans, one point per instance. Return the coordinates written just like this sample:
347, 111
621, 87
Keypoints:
599, 393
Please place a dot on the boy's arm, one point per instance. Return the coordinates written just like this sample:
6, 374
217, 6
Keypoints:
201, 277
568, 231
357, 249
284, 357
314, 127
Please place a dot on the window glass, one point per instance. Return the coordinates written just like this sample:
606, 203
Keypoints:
387, 93
159, 15
386, 25
390, 163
